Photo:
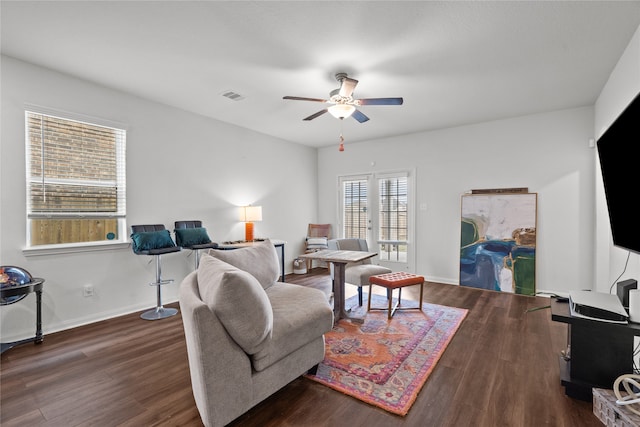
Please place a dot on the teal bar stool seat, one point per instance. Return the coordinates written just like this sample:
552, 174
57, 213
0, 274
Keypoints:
191, 235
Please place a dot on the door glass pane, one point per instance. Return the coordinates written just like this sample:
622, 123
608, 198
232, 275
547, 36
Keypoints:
392, 218
355, 211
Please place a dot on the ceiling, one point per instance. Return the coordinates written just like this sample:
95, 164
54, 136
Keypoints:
453, 62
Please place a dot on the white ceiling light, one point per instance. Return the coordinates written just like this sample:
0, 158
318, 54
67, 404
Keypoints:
340, 111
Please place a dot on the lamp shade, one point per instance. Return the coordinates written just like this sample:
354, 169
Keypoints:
251, 213
340, 111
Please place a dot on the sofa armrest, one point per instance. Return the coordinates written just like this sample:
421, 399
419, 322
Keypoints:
220, 370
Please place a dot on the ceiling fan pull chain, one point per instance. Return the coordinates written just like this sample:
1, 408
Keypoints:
341, 146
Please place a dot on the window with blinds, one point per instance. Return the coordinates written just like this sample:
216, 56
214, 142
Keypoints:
75, 181
355, 216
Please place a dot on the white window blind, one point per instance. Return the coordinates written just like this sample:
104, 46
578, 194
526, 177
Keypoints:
75, 180
355, 209
393, 224
393, 209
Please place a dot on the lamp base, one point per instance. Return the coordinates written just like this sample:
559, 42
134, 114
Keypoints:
248, 231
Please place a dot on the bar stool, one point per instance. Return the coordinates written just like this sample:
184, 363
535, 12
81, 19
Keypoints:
154, 240
191, 235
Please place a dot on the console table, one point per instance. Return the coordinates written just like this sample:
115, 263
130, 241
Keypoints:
599, 352
242, 244
35, 285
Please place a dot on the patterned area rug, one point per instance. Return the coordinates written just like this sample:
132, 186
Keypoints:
385, 362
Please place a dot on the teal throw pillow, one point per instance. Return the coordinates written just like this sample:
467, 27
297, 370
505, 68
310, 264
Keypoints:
186, 237
147, 240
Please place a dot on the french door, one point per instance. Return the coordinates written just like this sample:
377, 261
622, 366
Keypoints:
379, 208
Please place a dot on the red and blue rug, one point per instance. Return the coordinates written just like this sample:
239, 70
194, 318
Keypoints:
385, 362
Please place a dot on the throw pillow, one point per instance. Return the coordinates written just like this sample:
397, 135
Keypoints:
238, 300
186, 237
317, 243
147, 240
260, 260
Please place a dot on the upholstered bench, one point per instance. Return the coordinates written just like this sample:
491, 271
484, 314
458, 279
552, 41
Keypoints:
395, 280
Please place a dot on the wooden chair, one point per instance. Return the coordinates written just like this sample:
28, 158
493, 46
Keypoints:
317, 238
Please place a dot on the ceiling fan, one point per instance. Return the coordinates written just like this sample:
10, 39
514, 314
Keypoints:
342, 102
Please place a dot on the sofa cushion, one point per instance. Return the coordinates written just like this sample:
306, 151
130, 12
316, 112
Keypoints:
300, 315
359, 274
238, 300
260, 260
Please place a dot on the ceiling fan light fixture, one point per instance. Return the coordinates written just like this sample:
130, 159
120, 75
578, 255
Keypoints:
340, 111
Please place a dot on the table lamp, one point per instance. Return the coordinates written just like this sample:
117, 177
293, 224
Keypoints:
250, 214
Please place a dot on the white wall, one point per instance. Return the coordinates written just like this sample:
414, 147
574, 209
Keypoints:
180, 166
548, 153
184, 166
622, 86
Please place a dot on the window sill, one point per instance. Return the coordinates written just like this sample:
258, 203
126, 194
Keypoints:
61, 250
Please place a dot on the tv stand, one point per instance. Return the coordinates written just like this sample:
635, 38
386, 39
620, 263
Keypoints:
599, 352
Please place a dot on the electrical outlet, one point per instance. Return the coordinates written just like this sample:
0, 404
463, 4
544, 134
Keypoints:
87, 291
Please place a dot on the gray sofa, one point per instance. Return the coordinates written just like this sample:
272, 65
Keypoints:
247, 335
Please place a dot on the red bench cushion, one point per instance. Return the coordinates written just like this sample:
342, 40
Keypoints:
396, 279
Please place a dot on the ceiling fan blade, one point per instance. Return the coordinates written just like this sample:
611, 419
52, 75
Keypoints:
347, 87
318, 114
380, 101
359, 116
299, 98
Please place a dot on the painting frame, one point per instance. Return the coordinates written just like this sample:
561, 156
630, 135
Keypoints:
498, 241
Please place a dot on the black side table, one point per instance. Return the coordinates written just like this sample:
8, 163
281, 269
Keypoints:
599, 352
35, 285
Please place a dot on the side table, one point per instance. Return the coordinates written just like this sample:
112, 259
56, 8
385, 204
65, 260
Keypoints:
35, 285
599, 352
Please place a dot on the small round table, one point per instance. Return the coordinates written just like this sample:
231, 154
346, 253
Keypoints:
14, 293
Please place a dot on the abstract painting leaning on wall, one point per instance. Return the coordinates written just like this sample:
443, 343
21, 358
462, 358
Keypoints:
498, 242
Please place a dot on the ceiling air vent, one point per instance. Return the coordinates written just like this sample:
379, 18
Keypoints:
232, 95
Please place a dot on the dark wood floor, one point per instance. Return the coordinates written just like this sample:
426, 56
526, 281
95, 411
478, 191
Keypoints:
500, 369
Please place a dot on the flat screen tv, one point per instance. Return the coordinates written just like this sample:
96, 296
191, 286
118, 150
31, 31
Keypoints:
620, 165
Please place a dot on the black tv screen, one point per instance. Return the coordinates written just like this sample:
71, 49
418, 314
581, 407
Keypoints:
620, 165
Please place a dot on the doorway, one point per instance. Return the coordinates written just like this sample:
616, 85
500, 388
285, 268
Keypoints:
378, 207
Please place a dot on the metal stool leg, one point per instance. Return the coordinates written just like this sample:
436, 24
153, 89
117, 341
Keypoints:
159, 312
